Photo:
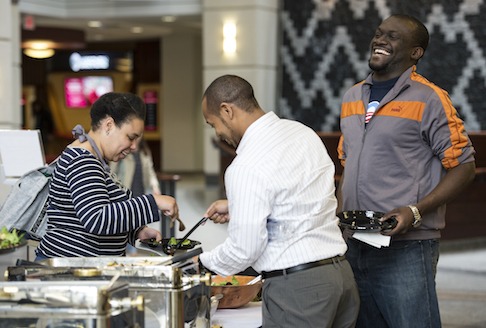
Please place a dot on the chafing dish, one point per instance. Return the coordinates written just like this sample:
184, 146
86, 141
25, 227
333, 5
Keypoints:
81, 304
174, 296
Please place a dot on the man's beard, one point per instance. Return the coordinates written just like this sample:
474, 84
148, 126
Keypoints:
376, 67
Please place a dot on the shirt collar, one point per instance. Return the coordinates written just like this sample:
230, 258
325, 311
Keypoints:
255, 128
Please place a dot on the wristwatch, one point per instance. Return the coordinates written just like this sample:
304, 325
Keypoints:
417, 218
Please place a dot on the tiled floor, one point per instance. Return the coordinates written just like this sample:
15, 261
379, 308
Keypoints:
461, 287
461, 275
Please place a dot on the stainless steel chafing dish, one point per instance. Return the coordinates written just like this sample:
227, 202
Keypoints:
174, 297
95, 303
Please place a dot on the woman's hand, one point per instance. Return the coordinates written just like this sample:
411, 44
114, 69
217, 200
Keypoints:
218, 211
168, 205
149, 233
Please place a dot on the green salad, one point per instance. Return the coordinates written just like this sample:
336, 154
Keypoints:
233, 282
9, 239
173, 241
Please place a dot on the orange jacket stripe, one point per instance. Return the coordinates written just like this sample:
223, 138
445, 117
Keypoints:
456, 127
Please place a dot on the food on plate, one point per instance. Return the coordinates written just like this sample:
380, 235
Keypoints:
173, 241
10, 239
135, 264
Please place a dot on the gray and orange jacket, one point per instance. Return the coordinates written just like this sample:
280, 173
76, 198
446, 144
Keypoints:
414, 136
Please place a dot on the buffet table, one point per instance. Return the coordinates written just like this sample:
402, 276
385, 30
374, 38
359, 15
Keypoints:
248, 316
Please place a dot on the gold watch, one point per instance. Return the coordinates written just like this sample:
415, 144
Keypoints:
417, 218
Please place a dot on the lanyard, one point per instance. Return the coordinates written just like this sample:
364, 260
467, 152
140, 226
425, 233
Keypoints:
78, 133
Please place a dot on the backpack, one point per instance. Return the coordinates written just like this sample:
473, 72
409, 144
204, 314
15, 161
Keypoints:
26, 205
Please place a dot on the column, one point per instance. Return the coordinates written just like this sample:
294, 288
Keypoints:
253, 24
181, 94
10, 75
10, 70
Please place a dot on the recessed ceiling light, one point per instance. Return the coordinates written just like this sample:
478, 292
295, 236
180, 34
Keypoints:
39, 53
39, 44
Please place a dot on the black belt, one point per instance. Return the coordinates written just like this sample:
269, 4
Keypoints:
301, 267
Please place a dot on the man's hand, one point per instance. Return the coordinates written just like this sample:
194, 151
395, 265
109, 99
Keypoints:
455, 180
218, 211
404, 217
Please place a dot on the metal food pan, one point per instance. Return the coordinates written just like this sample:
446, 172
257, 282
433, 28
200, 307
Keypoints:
107, 261
120, 261
146, 268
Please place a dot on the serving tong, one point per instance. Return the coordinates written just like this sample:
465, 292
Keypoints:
163, 248
171, 249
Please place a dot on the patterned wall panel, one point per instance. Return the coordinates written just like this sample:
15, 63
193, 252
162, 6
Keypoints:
325, 49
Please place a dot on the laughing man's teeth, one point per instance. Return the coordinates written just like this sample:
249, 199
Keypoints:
382, 52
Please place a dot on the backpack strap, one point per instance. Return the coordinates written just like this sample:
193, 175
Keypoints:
78, 133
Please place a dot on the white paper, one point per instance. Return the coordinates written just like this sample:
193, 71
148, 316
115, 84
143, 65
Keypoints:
375, 239
21, 151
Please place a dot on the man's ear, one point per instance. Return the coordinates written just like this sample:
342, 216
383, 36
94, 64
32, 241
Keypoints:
226, 109
417, 53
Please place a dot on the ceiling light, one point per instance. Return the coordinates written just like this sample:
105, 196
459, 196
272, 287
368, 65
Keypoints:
39, 53
43, 41
39, 49
38, 44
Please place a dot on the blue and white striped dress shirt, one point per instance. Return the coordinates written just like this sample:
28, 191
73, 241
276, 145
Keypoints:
280, 189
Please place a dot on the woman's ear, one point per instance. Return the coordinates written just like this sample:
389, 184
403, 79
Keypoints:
108, 125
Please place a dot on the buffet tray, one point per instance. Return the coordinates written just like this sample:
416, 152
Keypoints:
152, 271
176, 298
87, 295
106, 261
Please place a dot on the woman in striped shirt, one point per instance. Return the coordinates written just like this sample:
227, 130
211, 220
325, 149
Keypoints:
90, 212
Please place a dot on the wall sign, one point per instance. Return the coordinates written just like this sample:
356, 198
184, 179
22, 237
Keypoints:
79, 62
82, 61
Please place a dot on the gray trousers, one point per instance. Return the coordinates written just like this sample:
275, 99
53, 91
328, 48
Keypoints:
324, 296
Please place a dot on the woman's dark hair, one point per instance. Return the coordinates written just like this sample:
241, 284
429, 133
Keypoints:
122, 107
230, 89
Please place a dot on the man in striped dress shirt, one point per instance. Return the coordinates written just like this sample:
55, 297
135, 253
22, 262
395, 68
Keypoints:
281, 212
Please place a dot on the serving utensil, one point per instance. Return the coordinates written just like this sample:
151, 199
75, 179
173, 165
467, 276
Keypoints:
161, 247
182, 226
254, 280
235, 295
171, 249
